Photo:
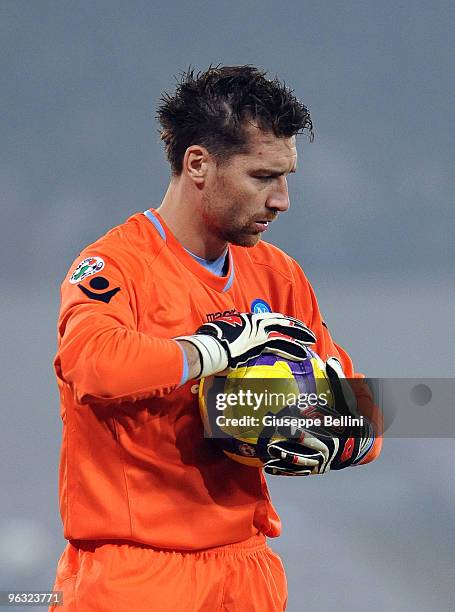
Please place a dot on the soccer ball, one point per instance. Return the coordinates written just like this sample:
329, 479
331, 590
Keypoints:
242, 411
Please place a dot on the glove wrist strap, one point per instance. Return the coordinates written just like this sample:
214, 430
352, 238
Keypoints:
213, 355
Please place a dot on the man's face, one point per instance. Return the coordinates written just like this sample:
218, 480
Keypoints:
245, 193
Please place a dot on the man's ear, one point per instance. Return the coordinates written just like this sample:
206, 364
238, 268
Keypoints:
196, 163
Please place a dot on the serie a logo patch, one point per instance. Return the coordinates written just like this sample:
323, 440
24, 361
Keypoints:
87, 267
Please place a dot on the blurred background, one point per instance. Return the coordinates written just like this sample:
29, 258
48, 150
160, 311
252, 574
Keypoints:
371, 222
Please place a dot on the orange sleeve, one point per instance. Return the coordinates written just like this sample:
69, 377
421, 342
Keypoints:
102, 355
306, 303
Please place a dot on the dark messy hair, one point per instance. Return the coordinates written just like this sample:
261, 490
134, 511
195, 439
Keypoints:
213, 108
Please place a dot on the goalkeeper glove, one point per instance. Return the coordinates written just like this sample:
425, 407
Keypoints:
309, 453
233, 340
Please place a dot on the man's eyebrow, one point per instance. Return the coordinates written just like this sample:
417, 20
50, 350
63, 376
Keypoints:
270, 172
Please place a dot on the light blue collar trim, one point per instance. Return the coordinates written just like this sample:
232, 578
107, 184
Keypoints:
230, 280
151, 217
215, 267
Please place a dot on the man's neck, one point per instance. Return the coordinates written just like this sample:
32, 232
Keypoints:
181, 211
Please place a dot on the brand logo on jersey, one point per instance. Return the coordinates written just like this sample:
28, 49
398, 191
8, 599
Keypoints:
99, 284
212, 316
87, 267
258, 306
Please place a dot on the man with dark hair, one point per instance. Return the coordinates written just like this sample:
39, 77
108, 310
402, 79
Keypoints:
216, 107
156, 518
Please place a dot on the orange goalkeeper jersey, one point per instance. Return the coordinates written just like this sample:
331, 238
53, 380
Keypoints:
134, 462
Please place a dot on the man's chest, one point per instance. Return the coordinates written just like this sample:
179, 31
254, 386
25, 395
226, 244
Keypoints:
179, 301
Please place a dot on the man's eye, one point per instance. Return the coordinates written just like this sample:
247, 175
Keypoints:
264, 178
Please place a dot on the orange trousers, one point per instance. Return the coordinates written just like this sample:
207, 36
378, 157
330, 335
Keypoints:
106, 576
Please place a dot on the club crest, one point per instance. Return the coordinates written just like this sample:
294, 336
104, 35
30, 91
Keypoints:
258, 306
87, 267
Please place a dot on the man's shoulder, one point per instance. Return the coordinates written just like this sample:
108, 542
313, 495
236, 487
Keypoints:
132, 236
128, 248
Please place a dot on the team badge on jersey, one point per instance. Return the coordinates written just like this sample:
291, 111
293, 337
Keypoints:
258, 306
87, 267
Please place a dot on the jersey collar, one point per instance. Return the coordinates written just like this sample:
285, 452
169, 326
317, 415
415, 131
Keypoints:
219, 283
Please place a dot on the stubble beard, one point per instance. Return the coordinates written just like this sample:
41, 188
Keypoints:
238, 235
242, 239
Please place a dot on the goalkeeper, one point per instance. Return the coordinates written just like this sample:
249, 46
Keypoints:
155, 519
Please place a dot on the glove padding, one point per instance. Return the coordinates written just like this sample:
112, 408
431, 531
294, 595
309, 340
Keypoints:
311, 452
233, 340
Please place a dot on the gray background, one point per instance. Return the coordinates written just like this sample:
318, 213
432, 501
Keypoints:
371, 222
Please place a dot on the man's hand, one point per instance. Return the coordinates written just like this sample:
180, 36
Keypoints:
311, 452
299, 457
231, 341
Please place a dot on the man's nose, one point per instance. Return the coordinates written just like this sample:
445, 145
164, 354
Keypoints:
279, 197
